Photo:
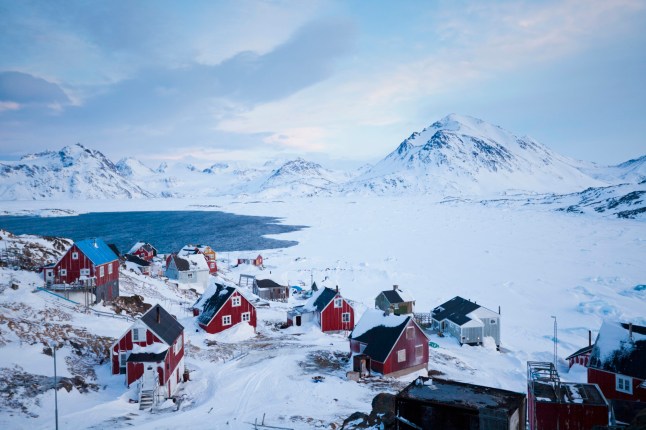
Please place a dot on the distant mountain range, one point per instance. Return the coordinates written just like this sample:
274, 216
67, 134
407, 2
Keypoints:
458, 156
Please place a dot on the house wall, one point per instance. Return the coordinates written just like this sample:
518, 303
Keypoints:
382, 303
471, 335
331, 317
278, 293
215, 325
571, 416
607, 382
492, 328
583, 360
125, 344
391, 365
143, 254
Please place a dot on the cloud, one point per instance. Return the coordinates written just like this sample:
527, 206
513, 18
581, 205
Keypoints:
23, 88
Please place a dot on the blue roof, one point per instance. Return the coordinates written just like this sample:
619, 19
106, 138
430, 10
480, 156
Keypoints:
97, 251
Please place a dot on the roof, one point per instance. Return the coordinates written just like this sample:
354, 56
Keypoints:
462, 395
145, 245
397, 296
379, 332
214, 299
455, 310
190, 262
267, 283
136, 260
616, 352
322, 299
97, 251
168, 328
114, 249
584, 350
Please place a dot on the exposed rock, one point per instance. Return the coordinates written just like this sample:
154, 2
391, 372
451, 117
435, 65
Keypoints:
132, 305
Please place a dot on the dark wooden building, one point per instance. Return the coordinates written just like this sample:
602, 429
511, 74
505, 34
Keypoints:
270, 290
395, 301
448, 405
552, 404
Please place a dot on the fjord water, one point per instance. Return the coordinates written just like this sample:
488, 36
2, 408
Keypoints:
168, 231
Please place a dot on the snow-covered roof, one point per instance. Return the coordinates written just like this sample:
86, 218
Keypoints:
136, 246
616, 351
397, 296
372, 318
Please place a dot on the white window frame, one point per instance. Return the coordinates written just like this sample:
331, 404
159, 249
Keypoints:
338, 303
236, 301
63, 272
101, 271
624, 384
75, 255
345, 317
137, 335
246, 316
109, 268
123, 359
419, 351
401, 356
85, 272
410, 333
226, 320
178, 344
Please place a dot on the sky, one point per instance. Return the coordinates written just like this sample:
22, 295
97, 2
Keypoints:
338, 82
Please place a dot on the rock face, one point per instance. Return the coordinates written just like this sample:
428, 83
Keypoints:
381, 416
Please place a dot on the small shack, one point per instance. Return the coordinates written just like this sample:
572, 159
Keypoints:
395, 301
437, 404
270, 290
467, 321
258, 261
553, 404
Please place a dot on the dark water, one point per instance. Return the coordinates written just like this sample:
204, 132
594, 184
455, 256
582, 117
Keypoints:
166, 231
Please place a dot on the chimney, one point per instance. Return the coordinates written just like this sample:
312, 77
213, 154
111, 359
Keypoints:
95, 245
498, 309
395, 287
158, 315
589, 337
337, 288
630, 331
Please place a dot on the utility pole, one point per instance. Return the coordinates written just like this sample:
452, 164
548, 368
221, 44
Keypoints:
555, 340
53, 346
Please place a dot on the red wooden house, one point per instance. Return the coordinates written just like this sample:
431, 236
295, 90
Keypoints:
222, 307
618, 366
582, 357
152, 351
143, 250
258, 261
392, 345
327, 309
89, 262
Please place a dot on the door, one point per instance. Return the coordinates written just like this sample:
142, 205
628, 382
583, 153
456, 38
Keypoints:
298, 320
49, 276
149, 380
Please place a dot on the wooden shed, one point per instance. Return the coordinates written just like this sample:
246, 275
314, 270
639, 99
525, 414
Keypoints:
437, 404
395, 301
552, 404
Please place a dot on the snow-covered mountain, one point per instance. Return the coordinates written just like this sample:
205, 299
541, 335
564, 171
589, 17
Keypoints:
301, 177
631, 171
74, 172
461, 155
131, 167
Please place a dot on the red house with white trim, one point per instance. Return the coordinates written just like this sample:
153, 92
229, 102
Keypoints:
87, 261
327, 308
222, 307
618, 366
143, 250
152, 352
392, 345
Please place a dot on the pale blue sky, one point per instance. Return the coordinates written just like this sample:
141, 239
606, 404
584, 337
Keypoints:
325, 80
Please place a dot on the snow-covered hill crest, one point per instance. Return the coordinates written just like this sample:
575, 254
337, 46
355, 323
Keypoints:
462, 155
74, 172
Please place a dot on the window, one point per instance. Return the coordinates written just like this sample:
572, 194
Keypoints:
419, 351
493, 321
138, 334
625, 384
75, 255
401, 355
189, 275
226, 320
63, 272
338, 303
410, 333
110, 269
246, 316
102, 271
235, 301
345, 317
85, 272
122, 359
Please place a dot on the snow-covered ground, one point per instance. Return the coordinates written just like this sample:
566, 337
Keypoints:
532, 262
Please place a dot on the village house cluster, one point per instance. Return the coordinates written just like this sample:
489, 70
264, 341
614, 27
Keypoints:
390, 340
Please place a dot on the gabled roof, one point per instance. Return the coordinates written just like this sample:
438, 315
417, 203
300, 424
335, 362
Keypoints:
455, 310
584, 350
145, 245
212, 304
168, 328
190, 262
136, 260
616, 352
268, 283
379, 332
97, 251
396, 296
320, 299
